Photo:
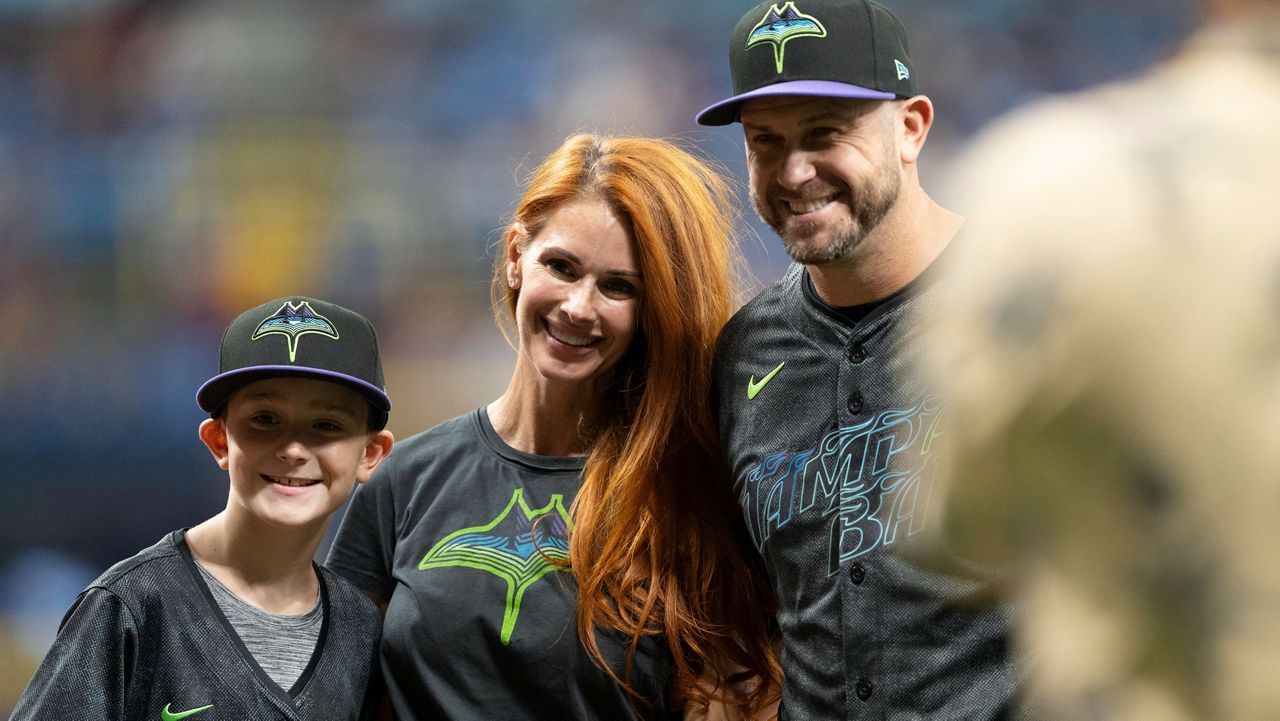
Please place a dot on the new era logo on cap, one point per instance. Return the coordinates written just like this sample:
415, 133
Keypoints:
299, 336
828, 48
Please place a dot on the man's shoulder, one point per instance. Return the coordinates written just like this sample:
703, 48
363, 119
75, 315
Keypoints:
771, 303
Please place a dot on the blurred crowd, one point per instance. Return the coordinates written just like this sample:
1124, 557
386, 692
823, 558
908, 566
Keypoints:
165, 164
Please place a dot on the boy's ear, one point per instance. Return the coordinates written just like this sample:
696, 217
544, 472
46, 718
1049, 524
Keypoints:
213, 433
375, 450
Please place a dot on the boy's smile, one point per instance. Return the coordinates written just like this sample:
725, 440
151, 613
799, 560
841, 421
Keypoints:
292, 482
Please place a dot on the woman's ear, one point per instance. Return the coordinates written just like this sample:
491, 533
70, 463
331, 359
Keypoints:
516, 242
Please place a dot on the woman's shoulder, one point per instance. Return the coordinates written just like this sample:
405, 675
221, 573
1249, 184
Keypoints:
460, 430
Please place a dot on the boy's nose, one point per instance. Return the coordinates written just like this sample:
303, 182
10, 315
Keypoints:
293, 450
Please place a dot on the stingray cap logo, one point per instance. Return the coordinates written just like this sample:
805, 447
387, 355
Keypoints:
517, 547
780, 25
293, 322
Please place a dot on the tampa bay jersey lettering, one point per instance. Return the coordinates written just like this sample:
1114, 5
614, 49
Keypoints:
872, 481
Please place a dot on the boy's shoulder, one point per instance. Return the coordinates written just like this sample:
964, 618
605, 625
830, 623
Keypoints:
142, 583
157, 559
348, 603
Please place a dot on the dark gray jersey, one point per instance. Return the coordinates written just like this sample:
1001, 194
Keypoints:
830, 435
456, 529
147, 642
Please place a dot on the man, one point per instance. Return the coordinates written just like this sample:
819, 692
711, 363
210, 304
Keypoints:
1110, 347
829, 433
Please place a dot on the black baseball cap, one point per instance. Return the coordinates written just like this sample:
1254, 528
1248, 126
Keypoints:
299, 336
830, 48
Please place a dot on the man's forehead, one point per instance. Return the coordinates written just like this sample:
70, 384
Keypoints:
803, 108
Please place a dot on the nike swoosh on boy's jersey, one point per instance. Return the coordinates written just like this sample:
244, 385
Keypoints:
753, 388
167, 715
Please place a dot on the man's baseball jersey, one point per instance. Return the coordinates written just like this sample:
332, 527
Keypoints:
458, 530
830, 436
147, 642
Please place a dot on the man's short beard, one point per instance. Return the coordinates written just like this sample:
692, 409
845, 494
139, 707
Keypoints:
874, 201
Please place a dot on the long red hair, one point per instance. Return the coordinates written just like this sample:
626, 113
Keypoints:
658, 546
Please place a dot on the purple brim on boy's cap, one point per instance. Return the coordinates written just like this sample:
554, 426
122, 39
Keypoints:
726, 111
217, 389
303, 337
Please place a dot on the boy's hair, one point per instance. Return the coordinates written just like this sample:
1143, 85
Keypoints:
304, 337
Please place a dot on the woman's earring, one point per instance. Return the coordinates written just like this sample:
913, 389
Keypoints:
511, 281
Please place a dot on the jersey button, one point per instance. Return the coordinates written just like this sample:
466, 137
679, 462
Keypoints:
863, 689
857, 573
857, 353
855, 403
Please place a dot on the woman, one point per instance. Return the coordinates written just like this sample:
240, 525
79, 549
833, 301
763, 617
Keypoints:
571, 551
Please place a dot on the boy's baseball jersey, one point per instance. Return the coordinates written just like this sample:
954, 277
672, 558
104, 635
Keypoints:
830, 436
147, 642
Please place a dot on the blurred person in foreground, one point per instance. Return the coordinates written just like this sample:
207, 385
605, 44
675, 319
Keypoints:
828, 429
232, 618
1111, 350
569, 551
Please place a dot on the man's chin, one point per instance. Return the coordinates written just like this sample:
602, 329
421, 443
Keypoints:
813, 245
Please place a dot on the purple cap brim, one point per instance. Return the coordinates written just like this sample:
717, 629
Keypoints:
726, 111
219, 388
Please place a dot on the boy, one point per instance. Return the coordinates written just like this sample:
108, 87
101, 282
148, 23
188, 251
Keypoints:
232, 619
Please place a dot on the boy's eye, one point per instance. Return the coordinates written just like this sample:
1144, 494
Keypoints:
264, 419
328, 426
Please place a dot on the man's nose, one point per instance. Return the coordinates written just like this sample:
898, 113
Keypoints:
795, 169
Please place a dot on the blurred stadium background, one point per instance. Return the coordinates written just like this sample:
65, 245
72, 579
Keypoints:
165, 164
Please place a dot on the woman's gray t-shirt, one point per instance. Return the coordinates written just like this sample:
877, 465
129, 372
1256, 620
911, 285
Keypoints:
455, 528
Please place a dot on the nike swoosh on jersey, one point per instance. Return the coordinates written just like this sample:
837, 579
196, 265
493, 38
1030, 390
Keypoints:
167, 715
753, 388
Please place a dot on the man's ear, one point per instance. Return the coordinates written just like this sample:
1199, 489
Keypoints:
914, 118
213, 433
375, 451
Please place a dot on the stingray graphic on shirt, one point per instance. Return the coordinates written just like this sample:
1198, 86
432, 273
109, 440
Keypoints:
518, 546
